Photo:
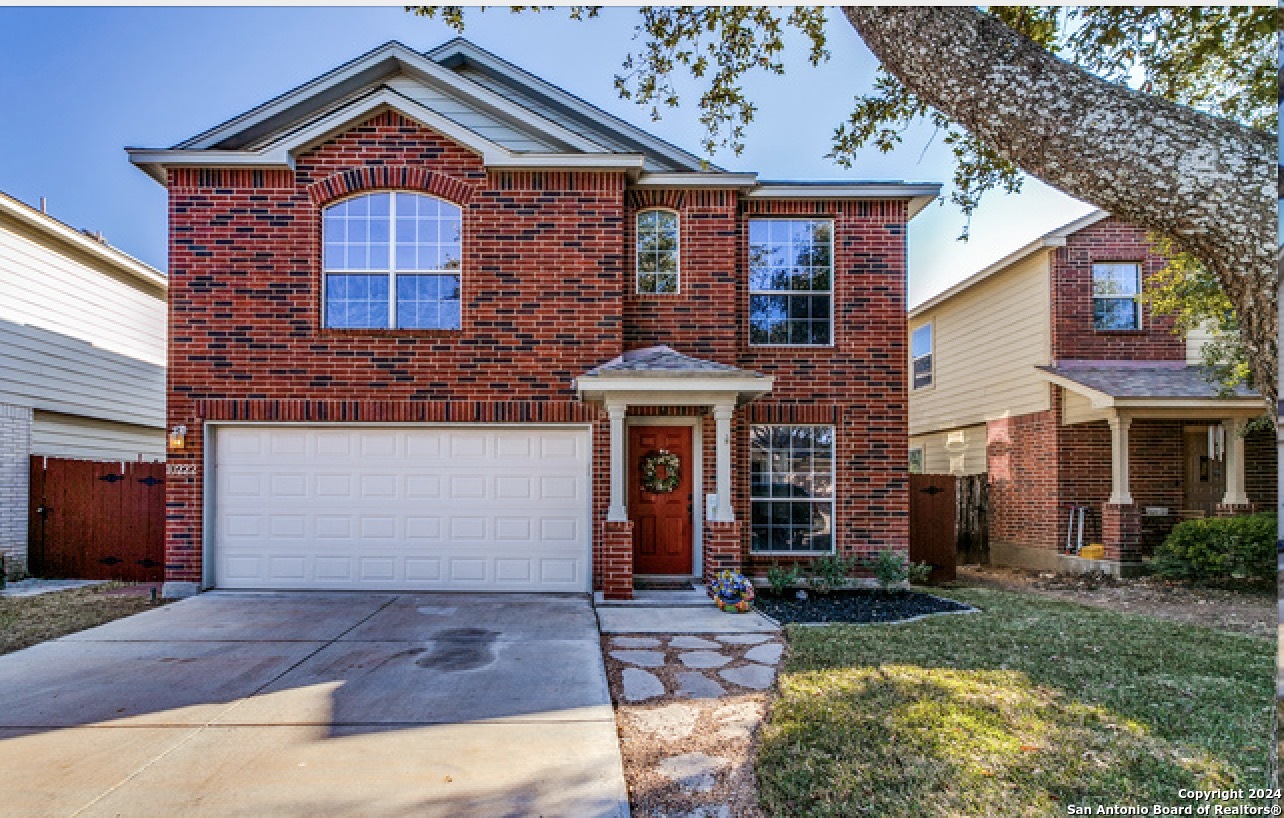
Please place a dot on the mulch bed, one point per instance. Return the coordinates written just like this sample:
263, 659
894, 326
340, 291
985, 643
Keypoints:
854, 606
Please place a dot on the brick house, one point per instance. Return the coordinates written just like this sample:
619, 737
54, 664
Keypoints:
1045, 372
438, 324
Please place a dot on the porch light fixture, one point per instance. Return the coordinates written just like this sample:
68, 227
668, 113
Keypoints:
177, 437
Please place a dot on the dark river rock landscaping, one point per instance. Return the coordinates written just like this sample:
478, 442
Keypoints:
855, 606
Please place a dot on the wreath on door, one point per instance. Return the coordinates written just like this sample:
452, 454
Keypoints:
651, 467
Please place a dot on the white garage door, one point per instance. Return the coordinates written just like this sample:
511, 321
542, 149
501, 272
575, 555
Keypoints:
479, 508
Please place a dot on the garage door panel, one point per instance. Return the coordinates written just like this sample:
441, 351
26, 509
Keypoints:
388, 508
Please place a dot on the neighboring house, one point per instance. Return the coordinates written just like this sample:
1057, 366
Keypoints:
1046, 372
82, 357
438, 324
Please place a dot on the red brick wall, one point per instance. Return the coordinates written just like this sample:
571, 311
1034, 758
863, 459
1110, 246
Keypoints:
1261, 469
1021, 453
547, 294
1073, 336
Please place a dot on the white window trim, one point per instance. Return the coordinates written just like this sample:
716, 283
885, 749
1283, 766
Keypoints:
392, 271
931, 354
637, 269
833, 499
833, 267
1136, 299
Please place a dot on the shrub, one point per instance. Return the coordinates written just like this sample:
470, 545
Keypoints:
894, 567
781, 579
1219, 548
829, 573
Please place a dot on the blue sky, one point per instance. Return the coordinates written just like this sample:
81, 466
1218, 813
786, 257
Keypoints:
80, 84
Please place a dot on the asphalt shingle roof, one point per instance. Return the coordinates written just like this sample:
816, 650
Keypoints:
664, 361
1146, 381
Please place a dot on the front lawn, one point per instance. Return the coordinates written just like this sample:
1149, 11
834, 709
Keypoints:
28, 620
1021, 710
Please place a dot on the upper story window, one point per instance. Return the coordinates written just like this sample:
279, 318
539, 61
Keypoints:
921, 365
657, 249
392, 261
791, 281
1115, 290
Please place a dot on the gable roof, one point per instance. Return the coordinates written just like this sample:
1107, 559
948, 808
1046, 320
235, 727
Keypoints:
508, 116
1051, 239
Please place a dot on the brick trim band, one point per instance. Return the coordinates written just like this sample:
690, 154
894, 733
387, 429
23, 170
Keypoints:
381, 177
337, 411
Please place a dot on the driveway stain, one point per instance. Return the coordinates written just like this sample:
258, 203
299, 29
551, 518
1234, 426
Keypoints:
457, 649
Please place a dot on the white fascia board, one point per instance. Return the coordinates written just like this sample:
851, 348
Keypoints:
410, 62
1048, 241
49, 226
740, 181
607, 121
1101, 400
678, 390
631, 162
919, 196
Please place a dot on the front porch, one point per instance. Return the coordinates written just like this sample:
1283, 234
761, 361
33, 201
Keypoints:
666, 514
1176, 451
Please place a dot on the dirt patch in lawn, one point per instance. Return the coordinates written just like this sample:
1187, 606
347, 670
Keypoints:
1249, 610
30, 620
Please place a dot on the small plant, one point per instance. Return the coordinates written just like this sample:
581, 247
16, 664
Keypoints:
829, 573
893, 568
1220, 548
919, 572
782, 579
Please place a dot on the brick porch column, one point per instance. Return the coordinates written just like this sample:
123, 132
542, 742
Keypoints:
1121, 532
617, 559
721, 547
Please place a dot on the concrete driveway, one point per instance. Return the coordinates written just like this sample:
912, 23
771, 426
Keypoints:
303, 704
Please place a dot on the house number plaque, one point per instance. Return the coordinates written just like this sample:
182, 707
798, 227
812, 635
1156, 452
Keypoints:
180, 469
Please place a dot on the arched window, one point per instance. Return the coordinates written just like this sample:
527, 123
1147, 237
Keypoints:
392, 261
657, 251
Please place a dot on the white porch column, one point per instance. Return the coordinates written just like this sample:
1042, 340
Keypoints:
1234, 463
722, 421
1119, 493
616, 512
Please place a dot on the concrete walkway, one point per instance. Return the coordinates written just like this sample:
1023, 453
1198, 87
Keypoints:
284, 705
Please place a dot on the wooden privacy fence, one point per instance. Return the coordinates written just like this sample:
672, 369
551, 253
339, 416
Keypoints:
97, 520
932, 523
948, 521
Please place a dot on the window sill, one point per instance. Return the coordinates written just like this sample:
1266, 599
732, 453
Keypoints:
1096, 331
383, 331
778, 554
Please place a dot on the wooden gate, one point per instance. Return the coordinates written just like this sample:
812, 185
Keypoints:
96, 520
932, 523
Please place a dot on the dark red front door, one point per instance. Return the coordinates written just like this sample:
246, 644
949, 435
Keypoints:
661, 519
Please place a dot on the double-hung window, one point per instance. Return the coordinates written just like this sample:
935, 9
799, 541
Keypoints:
1116, 287
392, 261
921, 356
657, 251
792, 488
791, 271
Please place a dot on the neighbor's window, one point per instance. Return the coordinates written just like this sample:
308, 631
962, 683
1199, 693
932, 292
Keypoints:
792, 488
790, 281
1115, 290
921, 356
657, 250
392, 261
916, 461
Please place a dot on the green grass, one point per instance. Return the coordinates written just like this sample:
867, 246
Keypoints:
1021, 710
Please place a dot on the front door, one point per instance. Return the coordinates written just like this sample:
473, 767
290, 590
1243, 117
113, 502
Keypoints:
659, 500
1205, 478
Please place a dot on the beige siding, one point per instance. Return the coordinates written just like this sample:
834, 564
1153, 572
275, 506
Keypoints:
1195, 340
479, 122
54, 435
1075, 408
958, 451
77, 335
986, 342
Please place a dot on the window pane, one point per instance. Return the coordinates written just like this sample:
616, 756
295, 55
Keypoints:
1115, 279
428, 302
921, 341
657, 251
791, 488
789, 256
428, 233
1116, 313
356, 301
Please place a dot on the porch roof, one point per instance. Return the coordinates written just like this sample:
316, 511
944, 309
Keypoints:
1126, 385
660, 373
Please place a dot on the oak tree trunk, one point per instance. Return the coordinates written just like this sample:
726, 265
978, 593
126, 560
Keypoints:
1206, 183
